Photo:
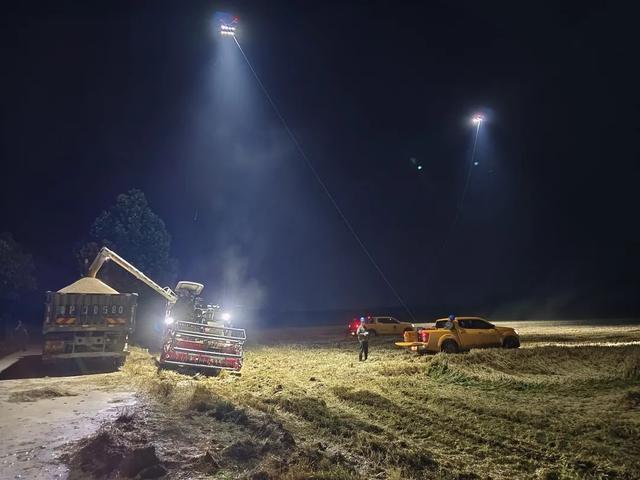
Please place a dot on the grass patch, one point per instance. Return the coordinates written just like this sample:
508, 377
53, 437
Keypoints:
363, 397
36, 394
550, 412
631, 400
319, 415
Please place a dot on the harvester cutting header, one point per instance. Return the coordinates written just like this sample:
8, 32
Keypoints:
193, 335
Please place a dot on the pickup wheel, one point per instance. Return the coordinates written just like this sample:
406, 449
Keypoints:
510, 342
372, 332
449, 347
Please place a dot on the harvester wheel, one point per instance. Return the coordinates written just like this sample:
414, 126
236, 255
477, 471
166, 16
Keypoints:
450, 347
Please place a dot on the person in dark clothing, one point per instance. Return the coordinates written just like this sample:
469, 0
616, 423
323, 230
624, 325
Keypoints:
363, 339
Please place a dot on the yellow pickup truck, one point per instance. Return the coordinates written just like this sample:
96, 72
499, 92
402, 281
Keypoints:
463, 333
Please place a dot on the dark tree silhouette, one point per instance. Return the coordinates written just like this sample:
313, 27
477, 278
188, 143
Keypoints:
135, 232
17, 281
16, 268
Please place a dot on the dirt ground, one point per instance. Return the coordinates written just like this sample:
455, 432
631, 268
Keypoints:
565, 405
41, 416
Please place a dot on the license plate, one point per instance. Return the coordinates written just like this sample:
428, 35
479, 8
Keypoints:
53, 346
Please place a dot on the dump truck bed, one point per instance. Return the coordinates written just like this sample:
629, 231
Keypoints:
87, 319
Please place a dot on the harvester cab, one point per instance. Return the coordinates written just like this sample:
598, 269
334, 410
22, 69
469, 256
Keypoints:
193, 337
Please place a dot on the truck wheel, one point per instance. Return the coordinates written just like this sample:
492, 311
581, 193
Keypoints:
511, 342
450, 347
372, 332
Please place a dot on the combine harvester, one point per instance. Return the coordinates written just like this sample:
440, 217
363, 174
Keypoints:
193, 337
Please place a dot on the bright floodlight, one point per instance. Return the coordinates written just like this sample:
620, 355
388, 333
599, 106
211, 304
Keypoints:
477, 118
168, 320
226, 316
227, 30
226, 23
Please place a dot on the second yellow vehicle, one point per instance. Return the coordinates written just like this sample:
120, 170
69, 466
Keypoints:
452, 335
381, 326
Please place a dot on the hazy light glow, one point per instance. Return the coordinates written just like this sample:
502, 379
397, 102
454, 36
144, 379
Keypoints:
169, 321
226, 316
477, 119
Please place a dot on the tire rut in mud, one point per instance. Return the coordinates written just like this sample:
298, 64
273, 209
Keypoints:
153, 441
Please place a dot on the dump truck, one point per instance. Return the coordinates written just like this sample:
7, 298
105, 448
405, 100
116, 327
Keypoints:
193, 337
459, 334
88, 320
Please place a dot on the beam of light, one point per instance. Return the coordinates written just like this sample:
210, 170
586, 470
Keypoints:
476, 120
324, 187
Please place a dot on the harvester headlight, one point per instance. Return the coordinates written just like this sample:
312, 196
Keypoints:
168, 321
226, 316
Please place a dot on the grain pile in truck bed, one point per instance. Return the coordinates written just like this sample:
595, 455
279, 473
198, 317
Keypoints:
89, 285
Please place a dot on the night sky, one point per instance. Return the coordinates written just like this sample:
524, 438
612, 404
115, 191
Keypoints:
99, 98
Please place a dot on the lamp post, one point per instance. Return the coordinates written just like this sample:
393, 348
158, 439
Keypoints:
477, 120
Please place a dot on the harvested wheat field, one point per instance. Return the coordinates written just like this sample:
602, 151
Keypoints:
565, 406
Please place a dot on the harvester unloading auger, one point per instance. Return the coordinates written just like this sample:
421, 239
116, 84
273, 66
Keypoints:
193, 336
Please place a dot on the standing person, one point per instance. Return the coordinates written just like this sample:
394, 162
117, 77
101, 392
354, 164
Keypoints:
449, 323
363, 339
21, 336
